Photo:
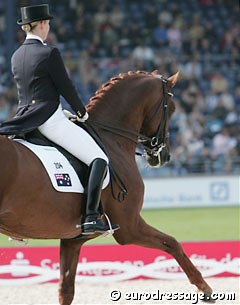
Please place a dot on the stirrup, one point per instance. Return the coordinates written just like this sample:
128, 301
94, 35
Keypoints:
110, 232
104, 233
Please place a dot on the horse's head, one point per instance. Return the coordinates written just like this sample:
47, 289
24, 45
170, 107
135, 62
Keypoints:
155, 126
144, 104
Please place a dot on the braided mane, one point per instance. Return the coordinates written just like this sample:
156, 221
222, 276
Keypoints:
105, 87
100, 93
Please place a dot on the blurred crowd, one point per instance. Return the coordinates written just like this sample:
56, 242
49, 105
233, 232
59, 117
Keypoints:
101, 38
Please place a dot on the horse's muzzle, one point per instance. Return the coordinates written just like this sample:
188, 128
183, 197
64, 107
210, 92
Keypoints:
160, 159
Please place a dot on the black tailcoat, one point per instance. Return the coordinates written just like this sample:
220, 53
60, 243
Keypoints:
41, 78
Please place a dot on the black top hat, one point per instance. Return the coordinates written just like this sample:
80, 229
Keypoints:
34, 13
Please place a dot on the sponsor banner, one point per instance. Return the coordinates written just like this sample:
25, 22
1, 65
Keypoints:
191, 192
108, 263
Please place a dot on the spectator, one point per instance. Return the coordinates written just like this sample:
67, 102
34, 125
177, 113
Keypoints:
175, 38
192, 69
219, 83
150, 17
223, 143
116, 18
196, 31
143, 56
160, 35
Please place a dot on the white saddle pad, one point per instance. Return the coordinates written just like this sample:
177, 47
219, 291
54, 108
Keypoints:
60, 171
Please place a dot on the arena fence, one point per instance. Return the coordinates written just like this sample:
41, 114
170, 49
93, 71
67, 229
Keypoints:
198, 191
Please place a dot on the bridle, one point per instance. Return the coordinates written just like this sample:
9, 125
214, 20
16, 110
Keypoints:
152, 145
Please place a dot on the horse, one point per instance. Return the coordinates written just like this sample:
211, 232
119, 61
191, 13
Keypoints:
131, 108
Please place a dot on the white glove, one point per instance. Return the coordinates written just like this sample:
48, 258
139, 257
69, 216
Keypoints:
74, 117
84, 118
69, 115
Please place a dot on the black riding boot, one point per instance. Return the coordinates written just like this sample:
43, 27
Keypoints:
93, 223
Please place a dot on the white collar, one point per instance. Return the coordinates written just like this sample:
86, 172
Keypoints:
32, 36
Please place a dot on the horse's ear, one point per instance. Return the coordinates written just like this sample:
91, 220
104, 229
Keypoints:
173, 79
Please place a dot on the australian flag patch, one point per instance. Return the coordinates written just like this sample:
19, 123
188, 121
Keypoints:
63, 179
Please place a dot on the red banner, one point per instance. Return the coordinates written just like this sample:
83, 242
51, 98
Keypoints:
103, 263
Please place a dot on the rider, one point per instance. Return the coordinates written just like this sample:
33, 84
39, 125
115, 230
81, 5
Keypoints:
41, 78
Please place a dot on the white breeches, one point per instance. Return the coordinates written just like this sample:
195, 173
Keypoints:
60, 130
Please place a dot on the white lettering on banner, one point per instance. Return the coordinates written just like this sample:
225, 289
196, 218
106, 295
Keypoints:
99, 272
47, 263
191, 192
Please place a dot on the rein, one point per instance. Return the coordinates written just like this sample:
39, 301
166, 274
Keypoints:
123, 190
157, 142
122, 132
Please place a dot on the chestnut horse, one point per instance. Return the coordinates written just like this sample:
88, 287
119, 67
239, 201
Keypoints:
132, 107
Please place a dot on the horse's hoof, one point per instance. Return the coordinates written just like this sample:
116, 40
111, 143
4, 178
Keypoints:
208, 298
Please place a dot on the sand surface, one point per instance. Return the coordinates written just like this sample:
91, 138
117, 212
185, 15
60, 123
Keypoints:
125, 292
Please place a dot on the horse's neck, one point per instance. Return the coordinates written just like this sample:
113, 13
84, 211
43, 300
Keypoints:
119, 119
122, 111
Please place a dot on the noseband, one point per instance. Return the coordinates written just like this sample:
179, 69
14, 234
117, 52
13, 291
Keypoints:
157, 143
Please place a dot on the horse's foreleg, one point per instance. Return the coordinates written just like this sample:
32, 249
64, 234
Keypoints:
147, 236
69, 254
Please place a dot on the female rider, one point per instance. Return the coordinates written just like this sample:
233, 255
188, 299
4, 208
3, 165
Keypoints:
41, 78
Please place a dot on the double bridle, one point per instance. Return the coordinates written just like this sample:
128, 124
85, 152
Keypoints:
152, 145
155, 144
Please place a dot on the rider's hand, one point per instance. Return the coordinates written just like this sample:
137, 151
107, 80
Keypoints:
83, 118
69, 115
74, 117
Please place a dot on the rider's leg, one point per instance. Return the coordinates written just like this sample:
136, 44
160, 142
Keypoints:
97, 173
93, 223
79, 143
71, 137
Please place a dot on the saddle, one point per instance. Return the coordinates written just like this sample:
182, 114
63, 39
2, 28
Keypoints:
35, 137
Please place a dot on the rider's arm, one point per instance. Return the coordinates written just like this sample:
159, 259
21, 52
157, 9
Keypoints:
62, 82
